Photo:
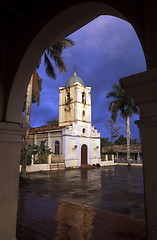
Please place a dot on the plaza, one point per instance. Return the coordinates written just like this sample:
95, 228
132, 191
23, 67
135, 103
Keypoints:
101, 203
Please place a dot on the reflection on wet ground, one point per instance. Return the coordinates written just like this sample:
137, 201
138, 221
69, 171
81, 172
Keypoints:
82, 204
117, 188
42, 218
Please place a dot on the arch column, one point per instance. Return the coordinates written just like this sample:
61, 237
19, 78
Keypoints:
143, 88
11, 135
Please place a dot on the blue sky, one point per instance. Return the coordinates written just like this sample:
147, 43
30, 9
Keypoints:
105, 50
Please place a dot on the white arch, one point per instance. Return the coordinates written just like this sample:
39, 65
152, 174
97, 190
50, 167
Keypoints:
62, 24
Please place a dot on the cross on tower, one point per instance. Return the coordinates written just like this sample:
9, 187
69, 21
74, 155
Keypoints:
75, 68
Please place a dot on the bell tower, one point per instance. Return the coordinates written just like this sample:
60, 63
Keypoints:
74, 102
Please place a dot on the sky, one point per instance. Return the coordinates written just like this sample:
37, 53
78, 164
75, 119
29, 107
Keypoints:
106, 50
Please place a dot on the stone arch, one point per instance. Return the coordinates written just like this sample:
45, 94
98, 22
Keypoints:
63, 24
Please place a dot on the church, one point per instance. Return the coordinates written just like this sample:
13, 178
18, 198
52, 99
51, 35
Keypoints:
75, 142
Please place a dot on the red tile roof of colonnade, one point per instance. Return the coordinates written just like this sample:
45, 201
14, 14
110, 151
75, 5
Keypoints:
44, 129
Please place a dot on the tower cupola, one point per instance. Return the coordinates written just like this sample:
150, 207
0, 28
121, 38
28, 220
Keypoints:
74, 79
74, 102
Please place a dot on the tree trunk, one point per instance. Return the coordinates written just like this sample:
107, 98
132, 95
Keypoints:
28, 112
128, 139
29, 100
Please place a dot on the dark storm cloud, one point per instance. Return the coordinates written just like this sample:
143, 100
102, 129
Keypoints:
105, 50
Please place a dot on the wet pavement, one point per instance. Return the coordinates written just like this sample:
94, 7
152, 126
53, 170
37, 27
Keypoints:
103, 203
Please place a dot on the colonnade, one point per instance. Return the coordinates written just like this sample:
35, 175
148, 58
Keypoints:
143, 88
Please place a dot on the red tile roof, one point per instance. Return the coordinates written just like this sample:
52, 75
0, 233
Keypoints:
44, 129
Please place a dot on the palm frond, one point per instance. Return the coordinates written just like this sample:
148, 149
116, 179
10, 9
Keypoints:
36, 88
63, 44
67, 43
60, 63
122, 103
111, 94
114, 108
49, 67
58, 60
54, 53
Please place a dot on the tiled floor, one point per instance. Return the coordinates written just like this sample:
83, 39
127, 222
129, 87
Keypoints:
116, 188
87, 204
41, 218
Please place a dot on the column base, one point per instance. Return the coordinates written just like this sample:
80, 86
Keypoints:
11, 136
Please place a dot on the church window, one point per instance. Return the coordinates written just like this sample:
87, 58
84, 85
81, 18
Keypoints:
83, 130
83, 113
57, 147
84, 97
68, 98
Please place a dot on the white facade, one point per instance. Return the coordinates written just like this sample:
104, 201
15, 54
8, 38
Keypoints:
74, 139
78, 140
81, 141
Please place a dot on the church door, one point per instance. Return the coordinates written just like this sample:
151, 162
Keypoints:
84, 154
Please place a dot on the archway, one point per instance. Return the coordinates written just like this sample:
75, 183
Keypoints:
63, 23
42, 40
84, 160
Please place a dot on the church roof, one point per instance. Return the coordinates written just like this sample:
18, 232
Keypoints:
73, 80
44, 129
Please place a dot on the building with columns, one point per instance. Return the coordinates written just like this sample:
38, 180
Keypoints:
75, 141
120, 152
20, 53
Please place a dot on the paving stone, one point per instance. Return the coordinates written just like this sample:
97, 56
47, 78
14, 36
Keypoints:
75, 222
96, 216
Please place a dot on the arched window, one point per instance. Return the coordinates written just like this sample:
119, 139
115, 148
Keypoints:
68, 98
57, 147
84, 97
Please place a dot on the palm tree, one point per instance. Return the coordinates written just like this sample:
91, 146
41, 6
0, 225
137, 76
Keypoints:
54, 53
32, 95
126, 106
52, 56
